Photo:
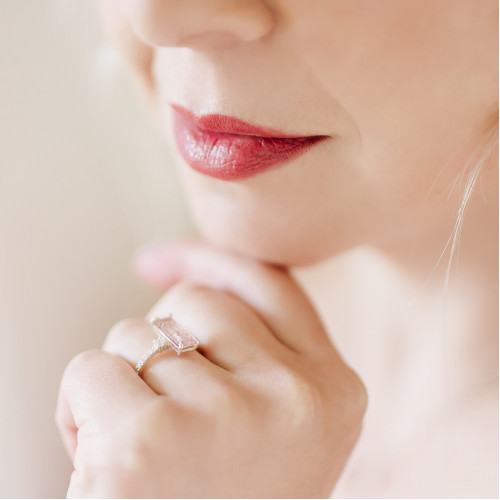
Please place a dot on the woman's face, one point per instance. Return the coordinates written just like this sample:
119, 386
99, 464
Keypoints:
404, 90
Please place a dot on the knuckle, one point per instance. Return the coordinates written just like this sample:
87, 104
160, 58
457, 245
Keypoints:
89, 365
124, 328
186, 296
349, 398
223, 396
302, 397
84, 361
82, 367
153, 422
343, 402
186, 291
357, 396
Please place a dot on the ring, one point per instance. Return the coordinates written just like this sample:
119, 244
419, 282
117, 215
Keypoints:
171, 335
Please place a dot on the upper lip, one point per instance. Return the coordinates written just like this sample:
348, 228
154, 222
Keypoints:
228, 125
230, 149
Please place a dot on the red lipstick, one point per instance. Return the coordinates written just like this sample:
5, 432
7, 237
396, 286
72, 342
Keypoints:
230, 149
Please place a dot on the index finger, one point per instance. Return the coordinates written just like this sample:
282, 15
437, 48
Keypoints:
269, 290
97, 391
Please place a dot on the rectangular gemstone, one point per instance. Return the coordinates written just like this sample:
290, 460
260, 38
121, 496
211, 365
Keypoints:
177, 337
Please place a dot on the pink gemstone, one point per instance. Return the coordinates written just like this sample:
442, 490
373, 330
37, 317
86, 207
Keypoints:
177, 337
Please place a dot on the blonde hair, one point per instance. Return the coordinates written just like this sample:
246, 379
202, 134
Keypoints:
486, 151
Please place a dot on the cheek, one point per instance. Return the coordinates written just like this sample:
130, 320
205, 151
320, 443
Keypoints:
417, 78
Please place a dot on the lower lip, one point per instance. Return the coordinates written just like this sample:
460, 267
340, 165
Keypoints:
229, 156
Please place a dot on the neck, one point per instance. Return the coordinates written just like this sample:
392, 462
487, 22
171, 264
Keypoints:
405, 292
455, 288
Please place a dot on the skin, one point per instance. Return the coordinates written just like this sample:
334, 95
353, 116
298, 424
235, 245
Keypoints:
408, 92
222, 421
399, 85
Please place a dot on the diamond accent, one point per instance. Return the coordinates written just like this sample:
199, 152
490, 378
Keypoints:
159, 345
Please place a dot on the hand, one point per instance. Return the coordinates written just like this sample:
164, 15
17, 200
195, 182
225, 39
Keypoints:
265, 408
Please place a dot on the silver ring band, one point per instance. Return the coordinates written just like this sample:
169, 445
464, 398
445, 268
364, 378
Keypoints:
156, 348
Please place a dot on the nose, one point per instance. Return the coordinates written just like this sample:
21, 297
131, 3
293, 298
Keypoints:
201, 24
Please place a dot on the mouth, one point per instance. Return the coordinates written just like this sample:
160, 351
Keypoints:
230, 149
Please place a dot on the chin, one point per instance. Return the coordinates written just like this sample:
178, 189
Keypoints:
289, 250
269, 218
267, 252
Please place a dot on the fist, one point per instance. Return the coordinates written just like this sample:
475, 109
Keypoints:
265, 407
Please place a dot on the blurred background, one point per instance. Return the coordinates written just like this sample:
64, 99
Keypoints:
84, 181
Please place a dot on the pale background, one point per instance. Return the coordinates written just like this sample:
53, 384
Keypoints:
84, 181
